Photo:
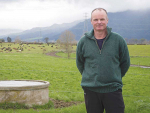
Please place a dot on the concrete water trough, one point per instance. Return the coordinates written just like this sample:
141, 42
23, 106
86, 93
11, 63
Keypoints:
29, 92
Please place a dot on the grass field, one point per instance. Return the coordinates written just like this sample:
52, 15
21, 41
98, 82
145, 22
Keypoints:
140, 54
65, 79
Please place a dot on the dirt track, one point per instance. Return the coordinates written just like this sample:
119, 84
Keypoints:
61, 104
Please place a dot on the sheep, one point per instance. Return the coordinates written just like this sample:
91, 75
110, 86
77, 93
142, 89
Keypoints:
3, 48
15, 48
18, 50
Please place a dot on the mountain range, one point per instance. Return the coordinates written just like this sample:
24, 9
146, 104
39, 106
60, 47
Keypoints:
129, 24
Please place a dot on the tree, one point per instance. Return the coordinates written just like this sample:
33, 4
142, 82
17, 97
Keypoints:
66, 40
143, 41
17, 40
8, 39
133, 41
2, 40
46, 39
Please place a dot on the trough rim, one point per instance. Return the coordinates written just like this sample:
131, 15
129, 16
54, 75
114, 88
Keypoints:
24, 88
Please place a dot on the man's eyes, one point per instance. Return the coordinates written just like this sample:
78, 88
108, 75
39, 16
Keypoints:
95, 19
100, 19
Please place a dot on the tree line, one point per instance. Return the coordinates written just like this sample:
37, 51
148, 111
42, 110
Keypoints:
67, 40
72, 37
137, 41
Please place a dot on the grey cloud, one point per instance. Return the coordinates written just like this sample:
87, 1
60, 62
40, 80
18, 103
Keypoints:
113, 5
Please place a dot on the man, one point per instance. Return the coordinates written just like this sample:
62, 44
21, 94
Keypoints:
102, 58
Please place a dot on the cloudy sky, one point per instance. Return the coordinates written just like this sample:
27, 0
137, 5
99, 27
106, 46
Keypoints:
27, 14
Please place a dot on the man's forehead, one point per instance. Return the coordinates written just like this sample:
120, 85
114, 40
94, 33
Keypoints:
98, 11
99, 14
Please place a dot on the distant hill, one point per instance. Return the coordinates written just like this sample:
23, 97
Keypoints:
39, 33
129, 24
9, 31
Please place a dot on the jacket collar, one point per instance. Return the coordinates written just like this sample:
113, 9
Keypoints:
91, 33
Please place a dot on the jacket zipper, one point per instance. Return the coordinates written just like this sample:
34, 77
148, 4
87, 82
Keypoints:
97, 46
102, 44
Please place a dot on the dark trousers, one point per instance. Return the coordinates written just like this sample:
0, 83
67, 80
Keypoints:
96, 102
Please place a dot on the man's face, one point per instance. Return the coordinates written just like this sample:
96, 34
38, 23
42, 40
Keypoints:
99, 20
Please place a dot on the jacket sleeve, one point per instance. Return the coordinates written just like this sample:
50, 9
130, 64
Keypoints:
124, 58
79, 58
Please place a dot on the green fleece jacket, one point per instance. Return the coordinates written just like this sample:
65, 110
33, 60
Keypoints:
102, 70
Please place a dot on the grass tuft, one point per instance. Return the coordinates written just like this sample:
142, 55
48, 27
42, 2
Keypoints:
7, 105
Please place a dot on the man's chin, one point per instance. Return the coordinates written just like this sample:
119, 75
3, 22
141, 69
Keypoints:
99, 29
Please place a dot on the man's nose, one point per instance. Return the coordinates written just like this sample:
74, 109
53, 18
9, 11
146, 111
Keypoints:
99, 21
